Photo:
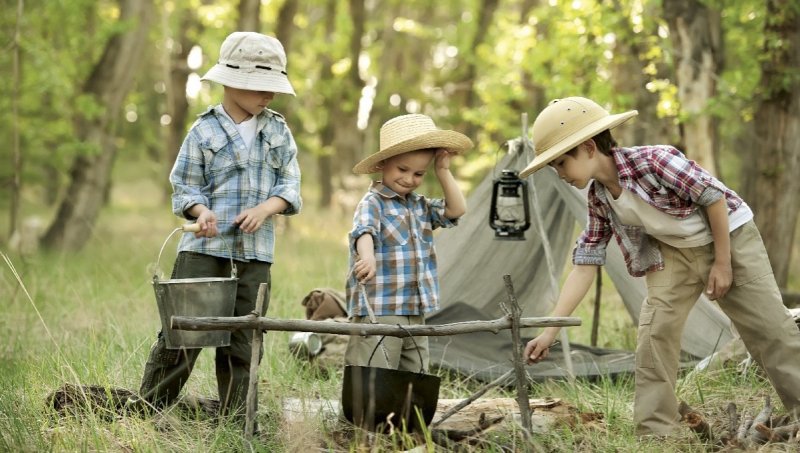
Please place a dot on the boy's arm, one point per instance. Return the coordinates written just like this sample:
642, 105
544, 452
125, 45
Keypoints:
454, 203
250, 220
721, 275
365, 266
575, 287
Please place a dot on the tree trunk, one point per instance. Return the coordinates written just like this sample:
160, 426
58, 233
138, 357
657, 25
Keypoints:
109, 83
696, 36
16, 179
177, 73
772, 186
630, 78
249, 14
285, 27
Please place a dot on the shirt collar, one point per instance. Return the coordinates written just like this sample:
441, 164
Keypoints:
380, 189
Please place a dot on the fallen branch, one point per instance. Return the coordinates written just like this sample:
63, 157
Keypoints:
761, 419
696, 422
466, 402
298, 325
459, 434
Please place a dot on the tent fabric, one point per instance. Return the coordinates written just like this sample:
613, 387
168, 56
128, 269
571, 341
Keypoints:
485, 356
472, 264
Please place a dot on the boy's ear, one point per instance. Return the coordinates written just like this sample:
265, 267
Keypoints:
591, 147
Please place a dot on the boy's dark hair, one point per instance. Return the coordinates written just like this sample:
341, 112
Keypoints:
605, 142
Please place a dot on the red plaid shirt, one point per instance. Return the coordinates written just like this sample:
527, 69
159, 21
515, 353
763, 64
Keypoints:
663, 177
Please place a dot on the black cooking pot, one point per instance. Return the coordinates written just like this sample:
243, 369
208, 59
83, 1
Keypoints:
379, 398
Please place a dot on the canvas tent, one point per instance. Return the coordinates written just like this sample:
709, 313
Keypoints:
472, 264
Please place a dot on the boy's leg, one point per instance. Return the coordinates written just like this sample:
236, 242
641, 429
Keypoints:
755, 306
415, 354
233, 362
167, 370
165, 373
360, 349
672, 293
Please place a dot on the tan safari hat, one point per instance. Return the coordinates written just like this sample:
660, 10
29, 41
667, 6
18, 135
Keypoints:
411, 133
251, 61
565, 124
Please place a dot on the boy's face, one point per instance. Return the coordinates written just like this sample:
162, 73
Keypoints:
574, 166
404, 173
246, 103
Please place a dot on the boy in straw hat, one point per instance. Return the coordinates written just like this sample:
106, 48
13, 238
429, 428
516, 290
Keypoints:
394, 278
682, 229
236, 169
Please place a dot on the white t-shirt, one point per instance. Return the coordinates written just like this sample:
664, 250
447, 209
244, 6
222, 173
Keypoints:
247, 130
693, 231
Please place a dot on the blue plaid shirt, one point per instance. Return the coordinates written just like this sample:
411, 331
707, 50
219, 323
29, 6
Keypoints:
214, 169
406, 281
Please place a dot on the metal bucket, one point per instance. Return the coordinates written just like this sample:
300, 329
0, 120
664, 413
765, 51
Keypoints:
195, 297
378, 398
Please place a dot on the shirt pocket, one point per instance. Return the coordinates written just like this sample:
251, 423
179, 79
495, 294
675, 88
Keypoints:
221, 162
394, 229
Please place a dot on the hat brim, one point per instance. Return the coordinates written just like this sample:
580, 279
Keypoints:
452, 141
256, 80
575, 139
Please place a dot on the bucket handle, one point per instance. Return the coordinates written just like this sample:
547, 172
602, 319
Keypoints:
421, 367
188, 228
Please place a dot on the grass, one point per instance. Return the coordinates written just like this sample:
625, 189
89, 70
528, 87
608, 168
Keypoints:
90, 317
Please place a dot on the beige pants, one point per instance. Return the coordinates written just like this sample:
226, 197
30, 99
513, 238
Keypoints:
407, 354
754, 305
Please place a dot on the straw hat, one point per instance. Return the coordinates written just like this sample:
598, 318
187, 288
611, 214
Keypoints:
565, 124
251, 61
410, 133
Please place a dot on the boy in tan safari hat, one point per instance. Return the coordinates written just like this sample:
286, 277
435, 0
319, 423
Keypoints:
682, 229
236, 169
394, 277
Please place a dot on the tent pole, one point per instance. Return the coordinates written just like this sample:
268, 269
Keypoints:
598, 286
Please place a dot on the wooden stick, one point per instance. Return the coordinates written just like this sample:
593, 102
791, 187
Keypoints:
344, 328
255, 351
519, 366
598, 292
761, 418
696, 422
466, 402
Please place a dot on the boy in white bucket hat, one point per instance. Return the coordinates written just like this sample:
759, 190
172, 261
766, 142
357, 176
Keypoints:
394, 277
682, 229
236, 169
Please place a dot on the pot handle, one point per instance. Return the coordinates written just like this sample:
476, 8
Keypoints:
190, 228
416, 346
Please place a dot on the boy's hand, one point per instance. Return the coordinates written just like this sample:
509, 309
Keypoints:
720, 279
250, 220
207, 221
442, 160
364, 269
539, 348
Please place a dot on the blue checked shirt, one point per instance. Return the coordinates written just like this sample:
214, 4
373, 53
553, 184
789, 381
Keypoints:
214, 169
406, 281
663, 177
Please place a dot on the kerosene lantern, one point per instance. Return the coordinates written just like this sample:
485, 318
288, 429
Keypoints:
510, 215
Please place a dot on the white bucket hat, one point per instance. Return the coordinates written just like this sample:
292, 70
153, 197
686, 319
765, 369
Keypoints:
251, 61
411, 133
565, 124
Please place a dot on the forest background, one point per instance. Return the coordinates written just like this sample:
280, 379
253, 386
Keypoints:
96, 97
90, 85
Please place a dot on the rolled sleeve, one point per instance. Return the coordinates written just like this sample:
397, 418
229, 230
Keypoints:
287, 183
366, 220
438, 219
188, 179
